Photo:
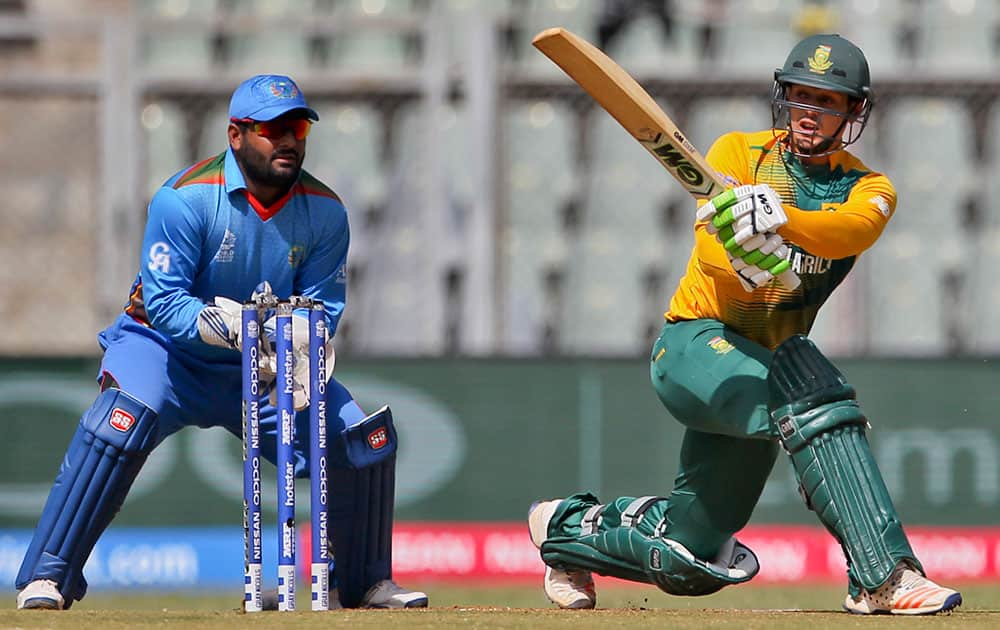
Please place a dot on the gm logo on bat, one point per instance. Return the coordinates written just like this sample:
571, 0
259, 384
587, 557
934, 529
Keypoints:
675, 161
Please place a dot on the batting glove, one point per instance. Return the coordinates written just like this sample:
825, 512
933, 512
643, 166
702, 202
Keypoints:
741, 213
760, 266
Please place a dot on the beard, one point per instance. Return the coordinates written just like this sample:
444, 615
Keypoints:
261, 169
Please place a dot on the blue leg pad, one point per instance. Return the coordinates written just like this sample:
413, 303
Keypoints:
363, 480
103, 459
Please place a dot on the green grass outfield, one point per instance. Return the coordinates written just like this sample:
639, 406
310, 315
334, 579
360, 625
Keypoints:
770, 607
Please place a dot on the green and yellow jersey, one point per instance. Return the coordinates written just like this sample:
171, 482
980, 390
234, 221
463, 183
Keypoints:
835, 212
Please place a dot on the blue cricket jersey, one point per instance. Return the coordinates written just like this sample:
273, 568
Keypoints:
206, 236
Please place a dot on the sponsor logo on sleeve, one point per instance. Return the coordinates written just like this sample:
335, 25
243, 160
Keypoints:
121, 420
378, 438
159, 257
881, 204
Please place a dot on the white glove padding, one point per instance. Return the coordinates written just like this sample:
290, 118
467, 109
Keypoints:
300, 359
220, 323
758, 267
751, 276
740, 213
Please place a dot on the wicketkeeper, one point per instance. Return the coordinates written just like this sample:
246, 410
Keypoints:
733, 365
215, 232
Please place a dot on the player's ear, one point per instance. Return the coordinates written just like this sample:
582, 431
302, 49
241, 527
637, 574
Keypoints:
235, 136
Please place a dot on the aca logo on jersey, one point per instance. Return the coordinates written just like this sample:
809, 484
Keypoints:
378, 438
121, 420
159, 257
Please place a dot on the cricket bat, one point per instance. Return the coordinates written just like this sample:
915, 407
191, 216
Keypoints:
635, 110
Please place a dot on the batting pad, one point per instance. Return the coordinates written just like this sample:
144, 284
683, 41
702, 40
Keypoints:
623, 540
363, 481
104, 457
822, 427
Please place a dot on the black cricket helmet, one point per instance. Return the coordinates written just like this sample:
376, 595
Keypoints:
828, 62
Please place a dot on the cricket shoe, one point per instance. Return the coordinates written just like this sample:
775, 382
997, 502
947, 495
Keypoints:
388, 594
567, 588
905, 593
40, 595
385, 594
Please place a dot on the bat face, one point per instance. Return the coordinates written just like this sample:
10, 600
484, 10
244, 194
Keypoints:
672, 154
622, 97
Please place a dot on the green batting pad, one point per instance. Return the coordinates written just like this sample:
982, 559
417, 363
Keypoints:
635, 551
823, 429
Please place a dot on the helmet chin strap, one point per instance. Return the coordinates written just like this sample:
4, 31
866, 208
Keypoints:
830, 145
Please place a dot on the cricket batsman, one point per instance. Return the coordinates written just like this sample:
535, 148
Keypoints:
246, 221
734, 366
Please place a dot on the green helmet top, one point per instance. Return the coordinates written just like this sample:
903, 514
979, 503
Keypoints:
828, 62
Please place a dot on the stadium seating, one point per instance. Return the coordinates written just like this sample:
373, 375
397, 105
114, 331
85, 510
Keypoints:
878, 28
929, 142
376, 47
959, 37
165, 143
604, 300
284, 50
712, 117
541, 182
343, 151
169, 49
982, 290
643, 47
527, 19
755, 37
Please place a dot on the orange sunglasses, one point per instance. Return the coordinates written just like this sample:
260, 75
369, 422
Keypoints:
275, 129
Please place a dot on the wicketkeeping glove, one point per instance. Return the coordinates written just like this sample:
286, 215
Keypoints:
219, 323
300, 359
740, 213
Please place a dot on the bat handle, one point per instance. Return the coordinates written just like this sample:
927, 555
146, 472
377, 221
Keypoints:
789, 279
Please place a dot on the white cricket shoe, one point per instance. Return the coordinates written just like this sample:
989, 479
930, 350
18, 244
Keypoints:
572, 588
388, 594
40, 595
906, 592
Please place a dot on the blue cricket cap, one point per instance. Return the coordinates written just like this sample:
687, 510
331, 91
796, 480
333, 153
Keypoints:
267, 96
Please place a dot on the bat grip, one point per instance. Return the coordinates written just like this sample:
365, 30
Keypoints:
789, 279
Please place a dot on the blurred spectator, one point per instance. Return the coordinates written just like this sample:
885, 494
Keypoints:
616, 14
816, 17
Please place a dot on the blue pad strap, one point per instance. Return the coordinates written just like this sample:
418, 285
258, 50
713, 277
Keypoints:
103, 459
363, 480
